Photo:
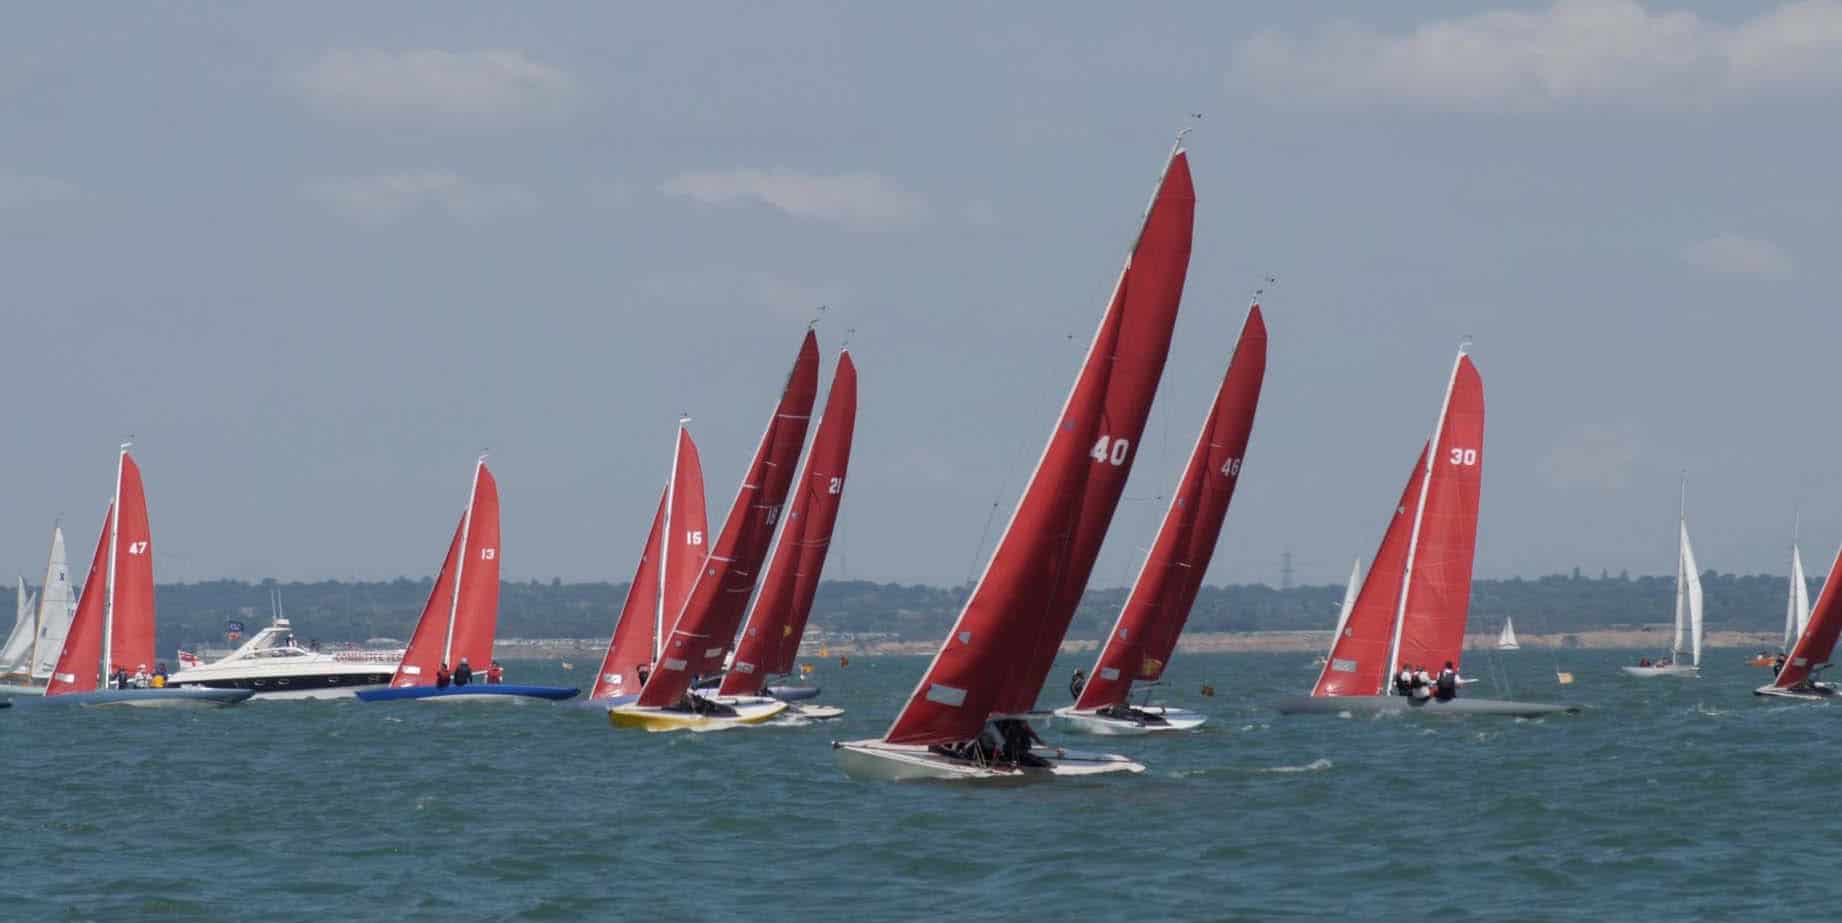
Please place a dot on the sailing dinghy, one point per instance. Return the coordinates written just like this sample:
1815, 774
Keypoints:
1810, 654
50, 619
462, 615
16, 652
705, 626
1145, 634
1506, 641
777, 619
1413, 607
1687, 640
992, 664
114, 625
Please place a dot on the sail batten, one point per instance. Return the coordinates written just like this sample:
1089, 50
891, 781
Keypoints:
1000, 649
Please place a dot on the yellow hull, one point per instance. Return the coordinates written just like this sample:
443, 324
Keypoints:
659, 719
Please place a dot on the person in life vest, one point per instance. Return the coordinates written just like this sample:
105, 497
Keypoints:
442, 676
1777, 664
1403, 681
1445, 688
463, 674
1077, 682
495, 674
141, 679
643, 671
1422, 684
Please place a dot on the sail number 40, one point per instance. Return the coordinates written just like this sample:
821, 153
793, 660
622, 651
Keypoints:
1464, 457
1110, 450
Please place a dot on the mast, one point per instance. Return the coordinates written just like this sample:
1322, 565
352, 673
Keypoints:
1419, 514
665, 543
460, 563
108, 599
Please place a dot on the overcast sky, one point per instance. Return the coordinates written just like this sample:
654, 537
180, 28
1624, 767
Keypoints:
316, 257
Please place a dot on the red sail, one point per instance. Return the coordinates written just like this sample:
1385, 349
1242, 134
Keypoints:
427, 646
1145, 635
706, 624
476, 615
1001, 647
689, 522
1439, 564
771, 640
631, 650
1813, 647
1358, 663
81, 657
131, 628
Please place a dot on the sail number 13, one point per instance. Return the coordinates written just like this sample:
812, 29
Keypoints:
1464, 457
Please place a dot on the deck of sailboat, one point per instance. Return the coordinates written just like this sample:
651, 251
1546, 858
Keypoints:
146, 698
881, 761
1159, 719
1408, 705
743, 712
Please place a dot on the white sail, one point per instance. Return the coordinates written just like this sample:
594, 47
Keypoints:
1349, 600
1507, 640
1797, 602
1688, 602
18, 647
57, 606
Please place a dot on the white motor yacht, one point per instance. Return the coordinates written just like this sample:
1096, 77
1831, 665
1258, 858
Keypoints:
275, 666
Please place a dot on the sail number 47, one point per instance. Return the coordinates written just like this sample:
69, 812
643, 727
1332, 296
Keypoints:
1110, 450
1464, 456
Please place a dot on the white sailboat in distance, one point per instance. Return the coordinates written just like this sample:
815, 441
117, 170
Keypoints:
1687, 640
1506, 641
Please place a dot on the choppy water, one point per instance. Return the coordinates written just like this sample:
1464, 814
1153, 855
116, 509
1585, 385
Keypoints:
1689, 798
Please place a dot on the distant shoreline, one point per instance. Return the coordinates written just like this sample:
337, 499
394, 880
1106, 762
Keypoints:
1655, 637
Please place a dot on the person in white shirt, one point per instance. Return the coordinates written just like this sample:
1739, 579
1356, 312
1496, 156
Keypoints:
1403, 681
1422, 684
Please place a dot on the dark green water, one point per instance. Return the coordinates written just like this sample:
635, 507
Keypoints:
1690, 798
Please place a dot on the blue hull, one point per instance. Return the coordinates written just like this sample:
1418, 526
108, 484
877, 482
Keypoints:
147, 698
469, 691
793, 693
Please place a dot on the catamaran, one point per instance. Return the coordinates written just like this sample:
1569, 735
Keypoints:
462, 615
1145, 634
47, 618
1687, 640
1506, 640
777, 619
1809, 654
669, 565
705, 626
993, 662
1412, 609
112, 633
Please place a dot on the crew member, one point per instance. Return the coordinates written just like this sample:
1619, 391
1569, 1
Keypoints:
1077, 682
1777, 664
442, 676
1403, 681
495, 674
140, 677
463, 674
1422, 684
1445, 689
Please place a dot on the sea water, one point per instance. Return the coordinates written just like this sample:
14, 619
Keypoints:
1681, 798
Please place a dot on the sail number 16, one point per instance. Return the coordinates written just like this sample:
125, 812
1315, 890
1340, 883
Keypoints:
1464, 457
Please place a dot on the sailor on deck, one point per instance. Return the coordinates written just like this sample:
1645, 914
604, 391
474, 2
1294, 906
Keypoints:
463, 674
495, 674
1403, 681
1445, 688
442, 676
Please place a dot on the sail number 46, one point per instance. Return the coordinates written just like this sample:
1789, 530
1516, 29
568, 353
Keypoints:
1110, 450
1464, 456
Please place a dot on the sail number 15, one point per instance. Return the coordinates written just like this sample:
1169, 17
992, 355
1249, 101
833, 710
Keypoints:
1464, 457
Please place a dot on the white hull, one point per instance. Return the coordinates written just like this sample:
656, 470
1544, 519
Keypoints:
1404, 705
1823, 693
1675, 669
7, 689
1166, 720
815, 712
1509, 647
878, 761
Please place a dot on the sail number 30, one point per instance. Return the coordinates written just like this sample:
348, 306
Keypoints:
1110, 450
1464, 457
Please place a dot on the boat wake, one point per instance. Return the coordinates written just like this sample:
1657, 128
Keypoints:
1318, 765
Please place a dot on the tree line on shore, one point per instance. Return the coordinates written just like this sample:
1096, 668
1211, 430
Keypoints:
330, 611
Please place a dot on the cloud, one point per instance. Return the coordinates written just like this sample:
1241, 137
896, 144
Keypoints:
1594, 455
1736, 255
1576, 51
787, 298
857, 201
979, 212
387, 198
18, 190
369, 82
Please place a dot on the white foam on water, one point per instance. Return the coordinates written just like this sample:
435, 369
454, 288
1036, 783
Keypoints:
1318, 765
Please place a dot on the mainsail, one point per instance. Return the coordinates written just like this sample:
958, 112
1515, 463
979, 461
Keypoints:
16, 652
462, 612
705, 626
999, 651
1797, 605
664, 578
57, 605
1688, 602
1145, 634
770, 641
